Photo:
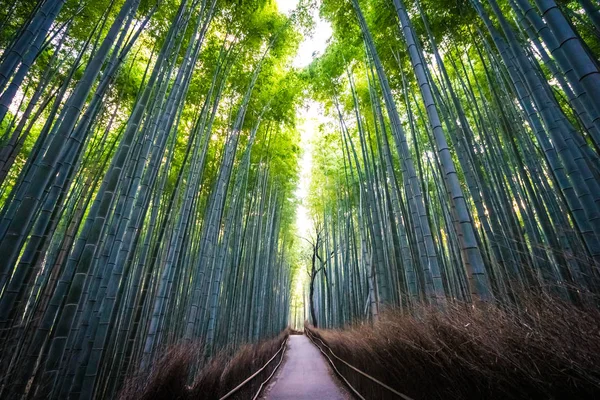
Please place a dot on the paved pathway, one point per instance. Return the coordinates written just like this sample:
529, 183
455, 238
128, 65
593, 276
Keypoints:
305, 375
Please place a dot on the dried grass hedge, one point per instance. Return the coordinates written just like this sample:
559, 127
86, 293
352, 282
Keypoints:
546, 350
168, 377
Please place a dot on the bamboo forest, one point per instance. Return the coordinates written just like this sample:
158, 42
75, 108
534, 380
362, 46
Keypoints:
405, 193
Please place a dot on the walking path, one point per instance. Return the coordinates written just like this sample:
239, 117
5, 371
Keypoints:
305, 375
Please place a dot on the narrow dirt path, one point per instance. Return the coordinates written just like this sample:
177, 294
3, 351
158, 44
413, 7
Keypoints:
305, 374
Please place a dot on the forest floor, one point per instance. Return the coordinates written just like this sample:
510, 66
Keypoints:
305, 374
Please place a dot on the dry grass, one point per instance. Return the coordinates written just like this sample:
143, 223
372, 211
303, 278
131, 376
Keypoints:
550, 350
168, 376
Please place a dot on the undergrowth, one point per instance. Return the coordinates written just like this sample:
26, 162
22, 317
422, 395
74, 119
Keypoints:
168, 376
546, 350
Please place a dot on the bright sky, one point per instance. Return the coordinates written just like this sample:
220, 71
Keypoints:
311, 114
311, 46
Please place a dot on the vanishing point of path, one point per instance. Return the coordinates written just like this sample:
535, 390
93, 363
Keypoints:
305, 375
